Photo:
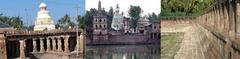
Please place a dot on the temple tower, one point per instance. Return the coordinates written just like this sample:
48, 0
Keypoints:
100, 32
117, 22
44, 21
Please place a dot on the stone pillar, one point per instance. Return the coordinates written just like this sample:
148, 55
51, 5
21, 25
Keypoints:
34, 45
238, 18
215, 18
212, 18
48, 45
218, 19
59, 44
77, 48
22, 49
3, 49
232, 24
226, 27
81, 42
54, 43
221, 18
41, 45
66, 45
207, 20
80, 45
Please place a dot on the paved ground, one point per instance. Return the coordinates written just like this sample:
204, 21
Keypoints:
171, 38
170, 44
190, 48
199, 43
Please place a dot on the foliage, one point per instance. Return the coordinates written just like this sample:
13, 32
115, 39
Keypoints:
15, 21
184, 7
153, 17
89, 17
81, 21
134, 13
110, 17
65, 22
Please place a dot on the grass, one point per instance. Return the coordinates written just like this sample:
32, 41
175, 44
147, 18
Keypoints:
170, 44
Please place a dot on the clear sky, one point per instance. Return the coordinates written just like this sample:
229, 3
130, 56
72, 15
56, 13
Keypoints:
27, 9
148, 6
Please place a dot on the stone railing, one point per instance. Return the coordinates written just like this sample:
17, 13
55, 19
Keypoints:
66, 42
222, 18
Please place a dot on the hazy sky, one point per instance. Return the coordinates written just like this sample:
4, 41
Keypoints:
56, 8
148, 6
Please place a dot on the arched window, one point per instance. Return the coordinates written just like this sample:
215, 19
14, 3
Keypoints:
104, 20
96, 20
155, 27
96, 26
104, 26
100, 33
100, 20
100, 26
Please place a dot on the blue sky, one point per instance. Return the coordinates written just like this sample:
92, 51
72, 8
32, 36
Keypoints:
27, 9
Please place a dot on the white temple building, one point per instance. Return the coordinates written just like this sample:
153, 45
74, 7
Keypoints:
117, 22
43, 21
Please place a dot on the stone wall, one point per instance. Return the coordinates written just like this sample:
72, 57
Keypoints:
173, 21
223, 18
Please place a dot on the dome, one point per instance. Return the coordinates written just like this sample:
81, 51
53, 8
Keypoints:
42, 5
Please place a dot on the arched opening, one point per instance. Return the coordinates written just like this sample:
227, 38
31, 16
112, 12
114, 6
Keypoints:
100, 20
100, 26
100, 33
96, 26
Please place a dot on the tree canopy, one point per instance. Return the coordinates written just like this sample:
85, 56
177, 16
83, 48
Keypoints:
65, 22
134, 13
15, 21
184, 7
81, 21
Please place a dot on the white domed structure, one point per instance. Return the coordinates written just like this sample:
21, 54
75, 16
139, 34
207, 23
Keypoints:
117, 22
42, 5
44, 21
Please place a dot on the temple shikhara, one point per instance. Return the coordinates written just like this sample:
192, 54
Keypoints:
43, 20
117, 22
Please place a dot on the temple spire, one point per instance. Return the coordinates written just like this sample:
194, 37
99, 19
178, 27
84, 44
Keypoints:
99, 5
117, 9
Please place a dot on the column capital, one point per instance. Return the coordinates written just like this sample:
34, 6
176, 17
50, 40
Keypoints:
66, 36
58, 37
41, 38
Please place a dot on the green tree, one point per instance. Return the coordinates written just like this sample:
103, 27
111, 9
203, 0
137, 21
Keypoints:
89, 17
110, 17
81, 22
184, 7
153, 17
65, 22
134, 13
16, 22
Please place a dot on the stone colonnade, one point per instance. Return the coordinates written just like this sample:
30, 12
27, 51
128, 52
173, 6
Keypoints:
54, 45
223, 17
